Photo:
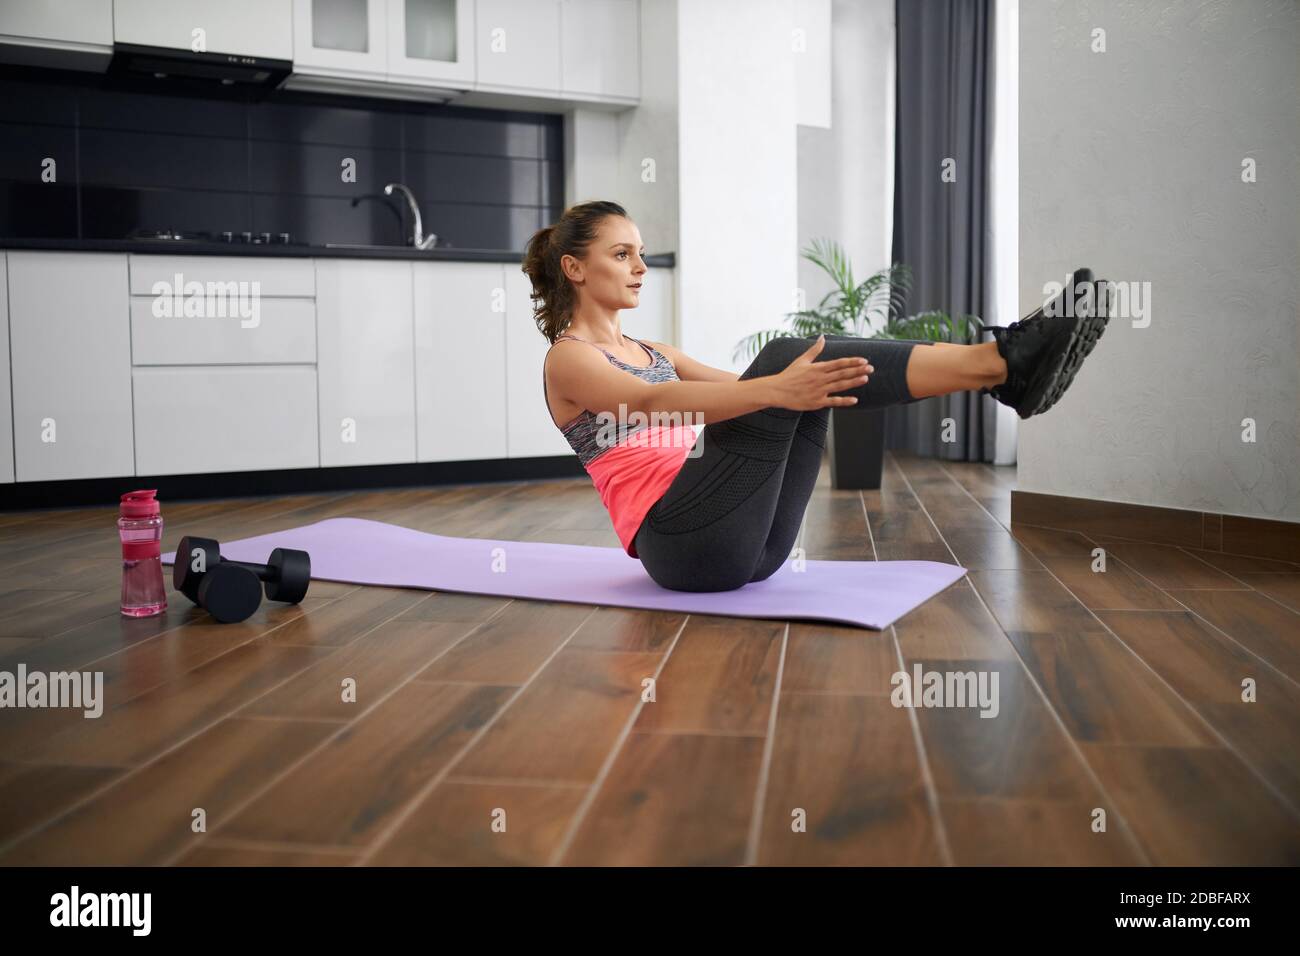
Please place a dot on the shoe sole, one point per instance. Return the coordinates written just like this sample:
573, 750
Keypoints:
1084, 336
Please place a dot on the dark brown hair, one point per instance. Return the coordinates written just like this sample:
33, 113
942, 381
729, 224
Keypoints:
553, 294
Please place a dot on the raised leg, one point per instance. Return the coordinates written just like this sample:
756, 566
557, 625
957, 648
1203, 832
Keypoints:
733, 512
735, 508
803, 462
943, 368
954, 368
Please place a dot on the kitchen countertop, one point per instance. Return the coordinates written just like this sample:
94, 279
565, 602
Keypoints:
172, 248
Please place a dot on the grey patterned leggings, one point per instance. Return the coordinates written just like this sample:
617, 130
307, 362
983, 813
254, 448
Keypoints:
732, 514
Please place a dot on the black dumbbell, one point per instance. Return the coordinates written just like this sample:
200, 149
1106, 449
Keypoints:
229, 593
287, 575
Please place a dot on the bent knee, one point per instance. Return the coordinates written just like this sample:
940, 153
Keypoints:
787, 347
775, 356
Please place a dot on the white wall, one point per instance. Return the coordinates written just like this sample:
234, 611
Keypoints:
714, 165
737, 172
1130, 162
846, 172
706, 163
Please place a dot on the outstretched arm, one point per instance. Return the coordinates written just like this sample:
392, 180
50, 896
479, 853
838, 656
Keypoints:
587, 379
689, 370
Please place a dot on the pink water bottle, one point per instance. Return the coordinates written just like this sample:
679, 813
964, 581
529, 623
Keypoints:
140, 524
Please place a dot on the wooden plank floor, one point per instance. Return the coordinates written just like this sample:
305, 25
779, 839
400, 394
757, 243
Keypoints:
495, 731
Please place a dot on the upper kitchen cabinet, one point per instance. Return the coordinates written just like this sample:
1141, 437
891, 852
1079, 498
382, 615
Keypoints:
409, 49
70, 339
570, 52
431, 40
518, 46
497, 53
76, 34
260, 28
600, 43
345, 38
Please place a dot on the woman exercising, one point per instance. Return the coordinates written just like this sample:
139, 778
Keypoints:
719, 516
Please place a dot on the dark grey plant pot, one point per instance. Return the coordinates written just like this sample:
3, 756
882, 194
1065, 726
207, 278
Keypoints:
856, 441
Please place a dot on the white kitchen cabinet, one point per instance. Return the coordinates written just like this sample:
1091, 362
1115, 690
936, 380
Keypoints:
600, 47
260, 28
6, 405
199, 420
517, 45
365, 362
431, 40
263, 331
460, 367
60, 22
531, 430
251, 275
346, 38
478, 52
71, 363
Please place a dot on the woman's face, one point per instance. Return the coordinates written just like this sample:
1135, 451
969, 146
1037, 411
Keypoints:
612, 272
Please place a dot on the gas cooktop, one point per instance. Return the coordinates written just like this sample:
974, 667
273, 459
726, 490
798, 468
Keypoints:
233, 238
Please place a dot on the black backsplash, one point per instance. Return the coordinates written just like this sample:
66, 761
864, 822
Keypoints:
131, 162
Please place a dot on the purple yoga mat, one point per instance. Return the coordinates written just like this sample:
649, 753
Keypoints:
870, 594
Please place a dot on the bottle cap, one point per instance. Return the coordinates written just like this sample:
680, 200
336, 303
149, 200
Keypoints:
139, 504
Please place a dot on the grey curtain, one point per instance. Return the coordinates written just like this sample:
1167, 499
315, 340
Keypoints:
944, 55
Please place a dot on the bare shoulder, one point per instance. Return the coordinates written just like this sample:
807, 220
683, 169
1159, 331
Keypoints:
566, 365
570, 360
567, 354
567, 347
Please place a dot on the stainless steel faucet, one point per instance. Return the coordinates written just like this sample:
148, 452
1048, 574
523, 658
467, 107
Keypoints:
420, 240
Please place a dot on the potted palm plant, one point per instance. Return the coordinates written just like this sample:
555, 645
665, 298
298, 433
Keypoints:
857, 435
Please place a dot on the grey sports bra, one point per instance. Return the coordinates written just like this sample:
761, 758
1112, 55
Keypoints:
581, 431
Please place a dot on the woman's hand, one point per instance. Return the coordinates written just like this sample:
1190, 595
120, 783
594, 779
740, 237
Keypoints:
805, 385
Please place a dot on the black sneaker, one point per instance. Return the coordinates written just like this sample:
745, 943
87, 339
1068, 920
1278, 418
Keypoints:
1044, 352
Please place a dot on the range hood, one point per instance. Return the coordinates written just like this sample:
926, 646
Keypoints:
215, 70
